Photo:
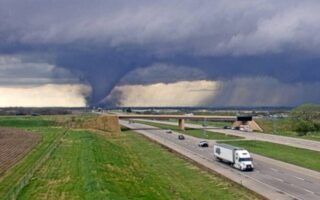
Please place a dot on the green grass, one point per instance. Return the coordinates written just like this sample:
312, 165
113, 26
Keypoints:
25, 122
284, 127
311, 136
297, 156
199, 133
38, 126
281, 125
91, 166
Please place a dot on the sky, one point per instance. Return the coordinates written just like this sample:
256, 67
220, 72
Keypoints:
159, 53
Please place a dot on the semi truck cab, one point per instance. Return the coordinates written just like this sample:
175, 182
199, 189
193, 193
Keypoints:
243, 160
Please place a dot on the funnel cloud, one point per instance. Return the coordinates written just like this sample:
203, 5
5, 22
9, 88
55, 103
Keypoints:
111, 53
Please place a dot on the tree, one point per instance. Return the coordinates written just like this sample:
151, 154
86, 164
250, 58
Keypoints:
303, 127
308, 118
307, 112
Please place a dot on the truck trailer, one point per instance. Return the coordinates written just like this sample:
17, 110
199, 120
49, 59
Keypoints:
238, 157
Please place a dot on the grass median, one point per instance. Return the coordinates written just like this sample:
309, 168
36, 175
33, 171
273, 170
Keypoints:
285, 127
199, 133
297, 156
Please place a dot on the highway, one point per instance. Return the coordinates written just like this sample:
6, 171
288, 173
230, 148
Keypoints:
272, 179
296, 142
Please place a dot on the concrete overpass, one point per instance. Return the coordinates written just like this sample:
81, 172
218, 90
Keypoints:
181, 118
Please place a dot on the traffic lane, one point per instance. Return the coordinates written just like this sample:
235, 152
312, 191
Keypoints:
190, 144
237, 175
287, 176
309, 144
264, 172
274, 175
284, 179
191, 141
297, 142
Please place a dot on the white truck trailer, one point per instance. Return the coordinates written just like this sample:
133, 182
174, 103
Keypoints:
239, 158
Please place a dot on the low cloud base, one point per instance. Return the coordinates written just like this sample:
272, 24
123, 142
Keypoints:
248, 91
49, 95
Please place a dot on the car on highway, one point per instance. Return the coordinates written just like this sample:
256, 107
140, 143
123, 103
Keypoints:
203, 144
245, 129
169, 131
181, 137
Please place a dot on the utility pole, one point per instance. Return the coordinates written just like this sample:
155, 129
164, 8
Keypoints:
274, 118
204, 125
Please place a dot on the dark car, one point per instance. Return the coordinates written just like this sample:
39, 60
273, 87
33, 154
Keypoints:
181, 137
203, 144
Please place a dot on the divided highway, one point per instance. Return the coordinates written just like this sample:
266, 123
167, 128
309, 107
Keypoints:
272, 179
295, 142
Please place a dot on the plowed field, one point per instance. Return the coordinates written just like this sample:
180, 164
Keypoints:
14, 145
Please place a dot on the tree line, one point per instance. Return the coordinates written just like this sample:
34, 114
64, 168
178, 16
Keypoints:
307, 118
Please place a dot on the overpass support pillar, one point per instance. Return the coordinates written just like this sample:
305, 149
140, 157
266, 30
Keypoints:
181, 124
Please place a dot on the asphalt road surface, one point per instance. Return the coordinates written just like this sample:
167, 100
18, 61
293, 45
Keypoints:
296, 142
272, 179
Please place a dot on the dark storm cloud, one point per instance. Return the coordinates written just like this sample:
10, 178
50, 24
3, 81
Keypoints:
198, 27
164, 73
102, 41
17, 71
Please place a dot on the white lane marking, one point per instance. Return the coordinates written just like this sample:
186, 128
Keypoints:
278, 179
308, 191
302, 179
299, 178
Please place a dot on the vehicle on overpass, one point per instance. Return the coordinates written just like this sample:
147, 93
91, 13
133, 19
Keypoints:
238, 157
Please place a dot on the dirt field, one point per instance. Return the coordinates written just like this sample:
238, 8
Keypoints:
14, 144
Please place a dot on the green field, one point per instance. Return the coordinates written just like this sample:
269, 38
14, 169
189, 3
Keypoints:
284, 127
38, 125
87, 165
297, 156
199, 133
26, 123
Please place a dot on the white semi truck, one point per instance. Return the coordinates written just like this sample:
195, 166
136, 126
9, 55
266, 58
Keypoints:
237, 157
